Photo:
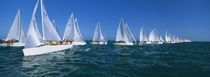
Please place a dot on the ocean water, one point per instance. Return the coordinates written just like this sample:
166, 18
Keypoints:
167, 60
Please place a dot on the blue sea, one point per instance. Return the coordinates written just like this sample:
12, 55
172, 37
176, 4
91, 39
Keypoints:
166, 60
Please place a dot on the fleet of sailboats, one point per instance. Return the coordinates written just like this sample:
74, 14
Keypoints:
49, 41
154, 37
174, 39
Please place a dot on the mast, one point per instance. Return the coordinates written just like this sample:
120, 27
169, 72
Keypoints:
42, 20
19, 25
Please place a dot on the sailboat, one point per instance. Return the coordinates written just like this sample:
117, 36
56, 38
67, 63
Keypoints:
174, 39
16, 35
124, 35
154, 37
35, 46
143, 37
98, 37
72, 32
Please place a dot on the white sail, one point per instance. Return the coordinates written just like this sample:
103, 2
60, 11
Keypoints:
53, 22
49, 31
161, 39
22, 35
37, 29
120, 32
32, 39
143, 36
129, 34
168, 37
101, 34
68, 34
98, 35
14, 32
152, 35
77, 34
157, 36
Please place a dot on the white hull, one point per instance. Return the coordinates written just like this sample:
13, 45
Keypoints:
156, 42
128, 43
79, 43
100, 43
148, 42
14, 44
45, 49
142, 43
171, 42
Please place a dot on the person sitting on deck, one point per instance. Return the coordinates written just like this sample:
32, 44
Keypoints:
71, 41
9, 42
97, 41
61, 42
52, 43
2, 41
120, 41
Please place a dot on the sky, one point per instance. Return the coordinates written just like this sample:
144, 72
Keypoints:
188, 19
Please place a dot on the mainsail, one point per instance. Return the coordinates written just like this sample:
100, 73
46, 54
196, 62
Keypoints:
14, 33
53, 22
98, 35
32, 39
168, 37
129, 34
49, 31
143, 36
37, 29
120, 31
161, 39
68, 34
78, 35
22, 35
157, 36
152, 35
